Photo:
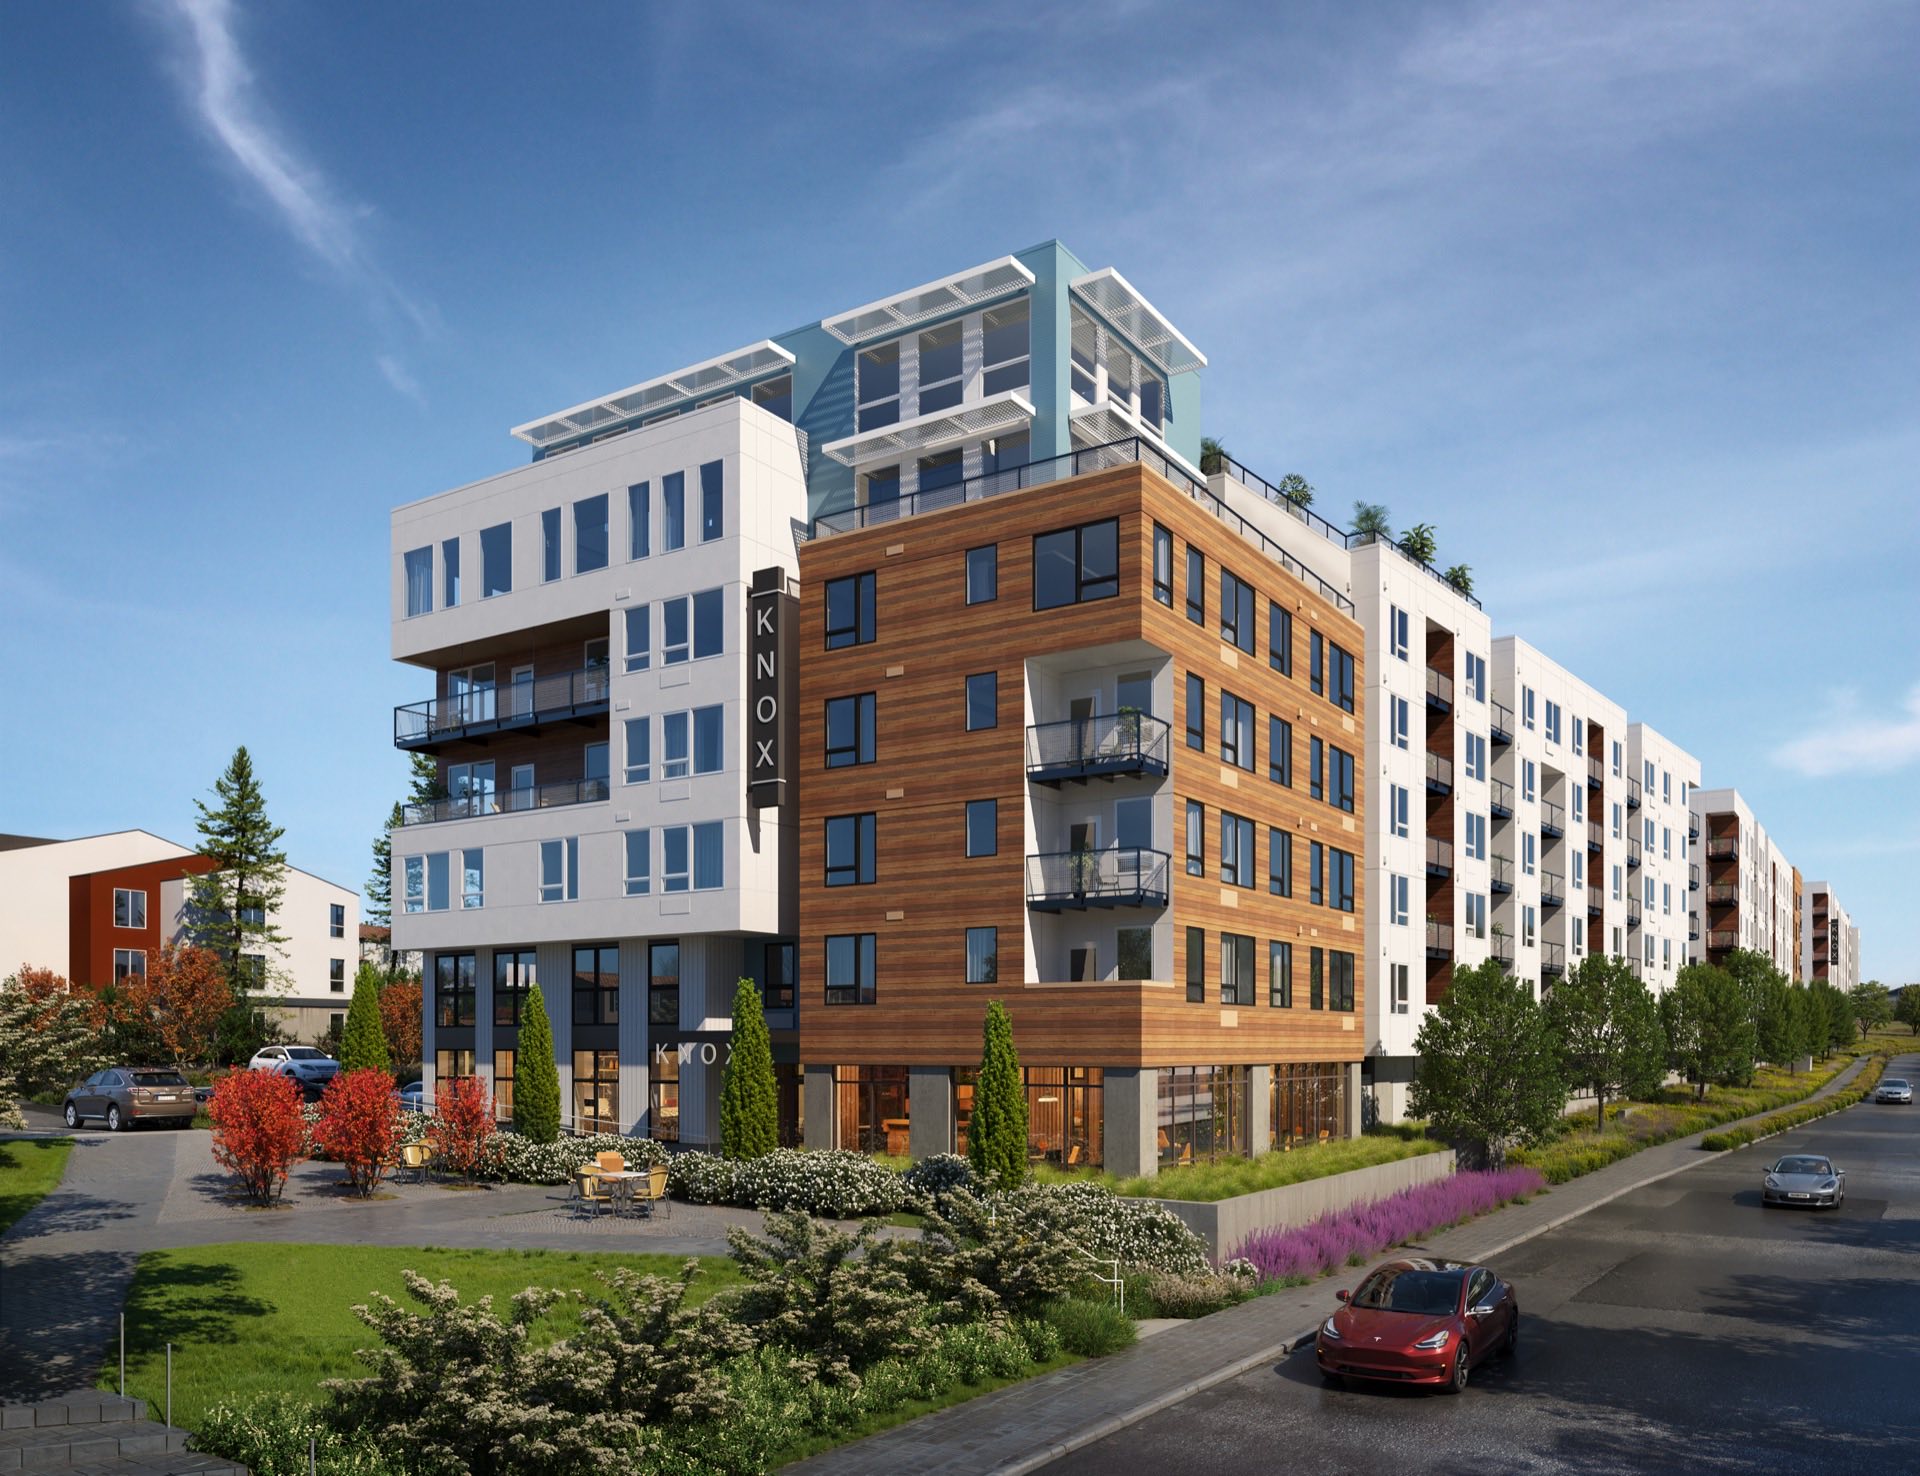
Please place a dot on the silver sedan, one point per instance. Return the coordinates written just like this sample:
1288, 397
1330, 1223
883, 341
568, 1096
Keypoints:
1804, 1178
1894, 1089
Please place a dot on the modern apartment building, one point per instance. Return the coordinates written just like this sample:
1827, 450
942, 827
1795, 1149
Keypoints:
97, 908
1830, 943
1748, 897
1665, 891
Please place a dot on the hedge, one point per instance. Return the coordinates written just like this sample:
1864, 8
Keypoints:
1792, 1117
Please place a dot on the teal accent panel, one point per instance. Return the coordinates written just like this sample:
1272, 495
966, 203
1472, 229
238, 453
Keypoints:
1053, 267
823, 408
1182, 430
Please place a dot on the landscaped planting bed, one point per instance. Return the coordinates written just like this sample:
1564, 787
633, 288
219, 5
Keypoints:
1806, 1112
1275, 1170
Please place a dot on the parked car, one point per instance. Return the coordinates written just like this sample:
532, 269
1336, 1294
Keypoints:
1804, 1178
126, 1096
312, 1069
1894, 1089
413, 1096
1419, 1321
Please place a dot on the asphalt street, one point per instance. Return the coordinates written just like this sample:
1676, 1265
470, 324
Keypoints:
1680, 1328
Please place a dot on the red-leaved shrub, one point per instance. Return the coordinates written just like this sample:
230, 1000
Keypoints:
258, 1130
359, 1126
463, 1124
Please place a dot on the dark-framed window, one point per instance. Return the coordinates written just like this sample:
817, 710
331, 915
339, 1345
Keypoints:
1236, 849
983, 701
1317, 768
1196, 965
983, 955
1340, 779
1280, 639
781, 977
1237, 607
1196, 838
1196, 585
850, 728
504, 1068
1236, 731
452, 1065
1280, 976
1196, 712
983, 827
1339, 879
1317, 979
1340, 677
663, 983
983, 574
850, 968
596, 1091
453, 989
514, 973
850, 611
1279, 862
713, 500
1074, 565
337, 975
1339, 980
850, 846
1236, 969
336, 917
1317, 663
1316, 873
1163, 566
596, 985
1280, 751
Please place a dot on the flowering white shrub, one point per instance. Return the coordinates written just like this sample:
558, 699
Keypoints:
523, 1161
939, 1174
834, 1183
1108, 1227
702, 1178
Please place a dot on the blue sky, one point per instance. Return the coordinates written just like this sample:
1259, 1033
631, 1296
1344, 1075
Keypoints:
1624, 299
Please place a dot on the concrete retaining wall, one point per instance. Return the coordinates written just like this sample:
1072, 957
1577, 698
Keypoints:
1224, 1223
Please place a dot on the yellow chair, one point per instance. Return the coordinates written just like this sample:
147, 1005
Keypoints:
611, 1163
415, 1159
587, 1188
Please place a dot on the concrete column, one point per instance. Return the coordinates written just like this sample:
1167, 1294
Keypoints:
1260, 1108
426, 1041
1354, 1123
636, 1060
817, 1108
929, 1110
483, 1017
1132, 1120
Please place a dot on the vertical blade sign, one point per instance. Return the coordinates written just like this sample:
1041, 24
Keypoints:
768, 694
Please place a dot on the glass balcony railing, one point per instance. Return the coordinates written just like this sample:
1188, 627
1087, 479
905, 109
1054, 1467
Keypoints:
1098, 747
1723, 848
1633, 794
1633, 854
1553, 819
1060, 880
1439, 856
1553, 960
1553, 889
1720, 939
1502, 880
1501, 950
1439, 940
1500, 801
1439, 690
1596, 836
1596, 774
505, 801
1501, 725
517, 706
1439, 773
1723, 894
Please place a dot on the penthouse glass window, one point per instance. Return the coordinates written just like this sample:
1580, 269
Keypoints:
1196, 965
713, 500
1075, 565
940, 383
418, 564
639, 520
1196, 838
1280, 751
877, 385
983, 574
849, 611
1196, 586
850, 725
496, 560
1280, 976
673, 511
983, 701
596, 986
1279, 862
453, 990
514, 973
1236, 731
1004, 347
590, 534
1236, 850
639, 637
1163, 566
1196, 712
1280, 639
850, 847
450, 573
1236, 969
850, 969
1236, 611
552, 539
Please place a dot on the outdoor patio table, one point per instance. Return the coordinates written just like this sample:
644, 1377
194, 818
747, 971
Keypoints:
621, 1182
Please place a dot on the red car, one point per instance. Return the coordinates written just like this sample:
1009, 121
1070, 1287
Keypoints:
1419, 1322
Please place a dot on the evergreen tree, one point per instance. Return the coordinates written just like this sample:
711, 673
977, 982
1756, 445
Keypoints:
997, 1134
423, 788
536, 1079
1710, 1032
363, 1045
749, 1102
1490, 1071
1608, 1030
232, 907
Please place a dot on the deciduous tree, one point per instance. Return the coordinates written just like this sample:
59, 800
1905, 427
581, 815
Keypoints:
46, 1040
463, 1124
1710, 1034
185, 994
536, 1079
1490, 1071
259, 1132
400, 1019
363, 1045
749, 1100
359, 1126
1608, 1029
997, 1132
1907, 1012
1872, 1006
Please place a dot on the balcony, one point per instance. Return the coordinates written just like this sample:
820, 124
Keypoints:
1596, 906
1501, 800
506, 802
1596, 774
1439, 939
1553, 960
1553, 819
1063, 880
1693, 830
1501, 727
1596, 836
1439, 691
1439, 774
1723, 848
1693, 928
1502, 875
1721, 939
1501, 951
1723, 894
1553, 889
1633, 854
1106, 747
1439, 856
1693, 876
518, 707
1633, 917
1633, 794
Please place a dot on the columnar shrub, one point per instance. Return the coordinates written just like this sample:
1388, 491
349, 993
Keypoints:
363, 1044
749, 1099
463, 1125
359, 1126
259, 1132
536, 1081
997, 1131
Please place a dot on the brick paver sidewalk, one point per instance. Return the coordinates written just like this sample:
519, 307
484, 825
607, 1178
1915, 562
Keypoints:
1023, 1427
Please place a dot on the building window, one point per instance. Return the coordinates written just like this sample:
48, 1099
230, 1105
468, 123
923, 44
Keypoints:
1236, 731
1476, 828
596, 986
551, 539
675, 859
663, 1096
514, 973
1399, 988
1280, 976
676, 747
983, 955
452, 1066
1280, 751
673, 511
850, 968
129, 962
1527, 844
639, 862
676, 644
1196, 712
1340, 779
1398, 900
1526, 706
639, 520
780, 976
1196, 965
596, 1091
1527, 772
1477, 677
1316, 979
1163, 566
1397, 708
1135, 952
1196, 838
1202, 1114
1397, 644
850, 722
1317, 664
850, 846
1003, 348
1340, 677
1553, 722
1340, 980
1236, 850
639, 767
1279, 863
1196, 586
473, 877
1397, 805
1075, 565
450, 573
453, 990
709, 623
850, 611
1477, 758
1236, 611
983, 827
130, 909
877, 385
503, 1085
496, 560
590, 534
983, 574
1236, 969
1280, 639
713, 500
639, 637
663, 984
439, 882
983, 701
709, 856
560, 870
1579, 737
709, 739
336, 917
418, 564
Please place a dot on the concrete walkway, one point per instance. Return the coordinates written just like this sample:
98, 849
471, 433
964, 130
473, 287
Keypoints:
1025, 1426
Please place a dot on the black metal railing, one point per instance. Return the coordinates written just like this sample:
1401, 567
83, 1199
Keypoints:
1553, 889
1633, 917
558, 696
505, 801
1502, 722
1501, 799
1111, 878
1439, 939
1553, 818
1502, 874
1439, 773
1439, 690
1084, 748
1439, 856
1553, 959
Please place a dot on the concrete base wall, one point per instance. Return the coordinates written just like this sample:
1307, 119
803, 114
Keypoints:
929, 1111
817, 1106
1223, 1224
1132, 1117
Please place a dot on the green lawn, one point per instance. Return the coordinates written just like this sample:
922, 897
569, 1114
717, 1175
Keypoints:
30, 1170
249, 1319
1223, 1180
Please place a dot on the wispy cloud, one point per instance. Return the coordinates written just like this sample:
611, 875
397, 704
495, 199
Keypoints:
396, 375
1866, 745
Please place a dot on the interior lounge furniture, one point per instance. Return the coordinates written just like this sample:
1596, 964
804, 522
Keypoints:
896, 1130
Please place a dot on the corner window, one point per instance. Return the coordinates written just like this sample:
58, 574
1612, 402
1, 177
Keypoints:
496, 560
551, 538
709, 623
713, 500
639, 520
849, 611
1075, 565
983, 955
673, 511
850, 722
983, 701
590, 534
418, 564
850, 848
1163, 566
983, 827
850, 969
983, 574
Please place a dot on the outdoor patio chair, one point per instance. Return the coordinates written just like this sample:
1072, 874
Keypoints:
588, 1191
611, 1163
656, 1190
416, 1159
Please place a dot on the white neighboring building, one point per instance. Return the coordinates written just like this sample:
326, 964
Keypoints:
1663, 777
1748, 889
1829, 942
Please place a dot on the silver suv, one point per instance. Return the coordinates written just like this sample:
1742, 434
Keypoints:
311, 1069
